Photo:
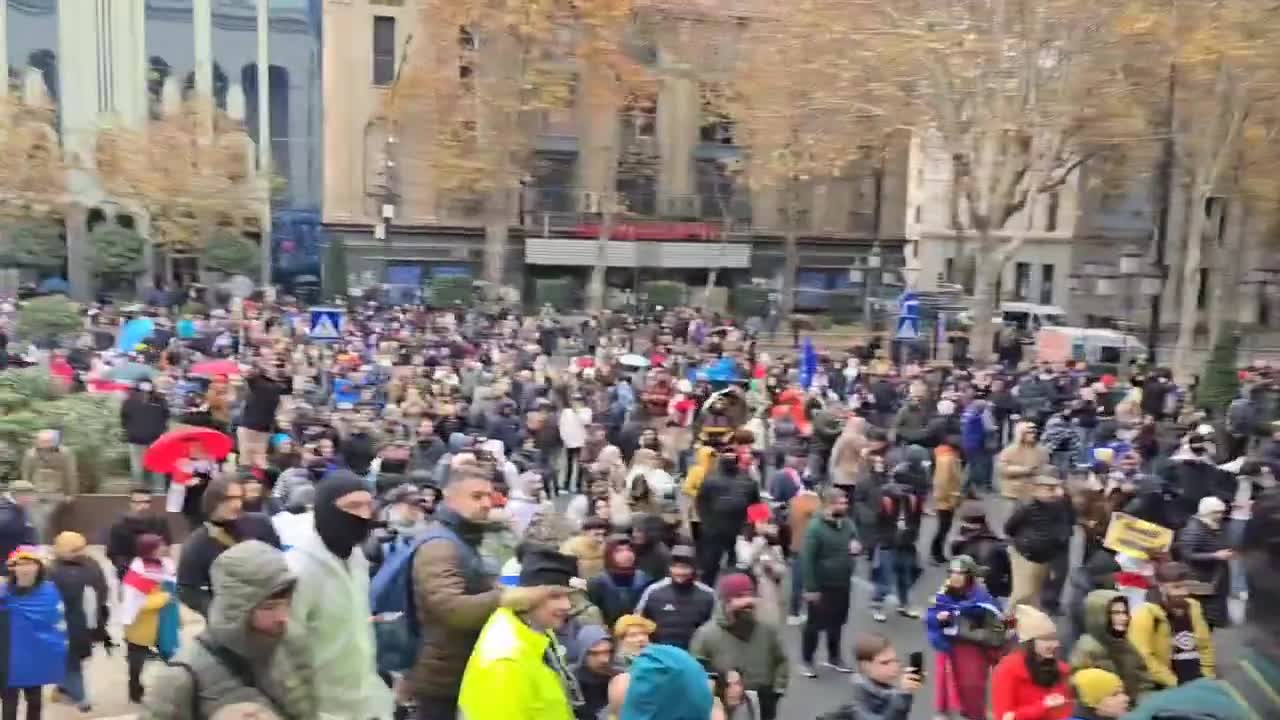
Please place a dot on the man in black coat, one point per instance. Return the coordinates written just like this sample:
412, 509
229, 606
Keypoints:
122, 539
1040, 532
226, 524
144, 417
258, 419
722, 509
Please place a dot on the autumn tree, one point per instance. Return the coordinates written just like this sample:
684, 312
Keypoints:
185, 179
485, 109
796, 100
33, 187
1226, 80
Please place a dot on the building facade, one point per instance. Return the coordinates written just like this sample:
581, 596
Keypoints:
664, 155
121, 62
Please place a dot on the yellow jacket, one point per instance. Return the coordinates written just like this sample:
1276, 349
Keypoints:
507, 677
948, 478
1151, 633
147, 624
704, 463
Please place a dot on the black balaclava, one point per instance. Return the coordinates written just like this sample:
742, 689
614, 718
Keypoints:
341, 531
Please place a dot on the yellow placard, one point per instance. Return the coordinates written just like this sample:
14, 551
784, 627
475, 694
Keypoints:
1134, 536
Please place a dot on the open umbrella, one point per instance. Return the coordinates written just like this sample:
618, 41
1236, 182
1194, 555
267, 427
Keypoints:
172, 448
133, 333
130, 372
213, 368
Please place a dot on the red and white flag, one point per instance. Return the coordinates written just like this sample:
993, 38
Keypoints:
139, 582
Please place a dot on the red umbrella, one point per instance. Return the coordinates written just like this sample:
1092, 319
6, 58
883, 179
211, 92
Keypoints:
168, 452
214, 368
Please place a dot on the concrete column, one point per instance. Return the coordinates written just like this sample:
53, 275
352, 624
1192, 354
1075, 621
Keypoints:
679, 112
127, 54
202, 42
598, 132
264, 135
4, 49
79, 278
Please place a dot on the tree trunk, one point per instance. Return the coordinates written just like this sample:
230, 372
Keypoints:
790, 264
1224, 308
1188, 311
986, 277
596, 286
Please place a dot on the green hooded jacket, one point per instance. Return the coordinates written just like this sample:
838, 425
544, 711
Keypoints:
1098, 648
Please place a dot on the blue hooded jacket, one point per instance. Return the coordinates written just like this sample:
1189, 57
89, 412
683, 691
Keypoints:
37, 652
666, 684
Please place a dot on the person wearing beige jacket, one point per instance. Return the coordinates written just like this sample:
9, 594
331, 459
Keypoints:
1019, 462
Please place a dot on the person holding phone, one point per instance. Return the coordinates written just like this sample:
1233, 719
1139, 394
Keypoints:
883, 687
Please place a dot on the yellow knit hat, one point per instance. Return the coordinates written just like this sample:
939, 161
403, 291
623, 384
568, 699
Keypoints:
626, 622
1094, 685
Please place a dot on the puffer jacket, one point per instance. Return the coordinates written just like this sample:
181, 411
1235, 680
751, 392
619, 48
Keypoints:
225, 657
1039, 531
1197, 545
1099, 648
454, 601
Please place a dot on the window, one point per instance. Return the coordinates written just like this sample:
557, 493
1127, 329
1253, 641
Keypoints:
949, 270
640, 116
1202, 297
1215, 212
1022, 281
384, 50
1051, 221
917, 215
1046, 284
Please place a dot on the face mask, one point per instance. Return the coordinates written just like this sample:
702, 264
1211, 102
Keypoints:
729, 465
340, 530
1196, 449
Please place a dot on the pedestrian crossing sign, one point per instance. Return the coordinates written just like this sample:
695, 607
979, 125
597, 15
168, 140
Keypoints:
908, 328
326, 323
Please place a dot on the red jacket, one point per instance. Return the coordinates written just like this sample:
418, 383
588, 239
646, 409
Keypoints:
1015, 697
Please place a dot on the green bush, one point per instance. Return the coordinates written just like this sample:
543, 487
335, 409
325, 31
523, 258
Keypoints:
450, 290
230, 252
90, 426
748, 301
664, 293
558, 293
49, 319
118, 252
37, 245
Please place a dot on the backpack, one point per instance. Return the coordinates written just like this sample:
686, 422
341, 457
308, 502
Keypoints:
397, 633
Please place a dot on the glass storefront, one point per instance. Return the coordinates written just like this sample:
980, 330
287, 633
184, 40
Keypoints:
32, 42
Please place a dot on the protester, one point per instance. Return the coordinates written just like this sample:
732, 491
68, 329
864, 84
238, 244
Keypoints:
16, 528
248, 652
595, 670
617, 590
330, 601
1105, 643
827, 560
1019, 463
1100, 695
226, 524
139, 520
33, 645
678, 604
452, 589
86, 609
1040, 532
722, 507
975, 539
148, 611
1170, 631
631, 634
947, 484
1030, 683
588, 546
517, 670
51, 471
966, 630
1098, 573
664, 683
759, 554
882, 688
144, 416
734, 639
1251, 681
1203, 546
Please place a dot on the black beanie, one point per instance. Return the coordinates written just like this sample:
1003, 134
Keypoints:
542, 565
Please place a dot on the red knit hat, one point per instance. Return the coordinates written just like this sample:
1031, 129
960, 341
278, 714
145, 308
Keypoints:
732, 587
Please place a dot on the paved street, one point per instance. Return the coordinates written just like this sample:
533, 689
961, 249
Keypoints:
805, 700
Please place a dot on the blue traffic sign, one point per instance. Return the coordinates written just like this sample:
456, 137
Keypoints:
326, 323
908, 317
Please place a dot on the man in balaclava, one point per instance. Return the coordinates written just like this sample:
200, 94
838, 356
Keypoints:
331, 602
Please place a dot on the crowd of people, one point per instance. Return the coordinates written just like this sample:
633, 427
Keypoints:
453, 513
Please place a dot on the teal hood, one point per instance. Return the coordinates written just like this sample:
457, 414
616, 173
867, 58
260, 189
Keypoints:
666, 684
